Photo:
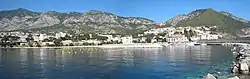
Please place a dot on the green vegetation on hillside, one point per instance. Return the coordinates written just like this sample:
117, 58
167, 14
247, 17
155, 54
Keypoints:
213, 18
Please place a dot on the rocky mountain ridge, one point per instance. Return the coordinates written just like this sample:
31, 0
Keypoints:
93, 20
104, 22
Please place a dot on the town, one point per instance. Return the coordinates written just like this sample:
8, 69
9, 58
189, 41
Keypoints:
159, 35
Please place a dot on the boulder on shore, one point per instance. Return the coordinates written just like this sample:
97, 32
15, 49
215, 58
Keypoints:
244, 68
235, 69
209, 76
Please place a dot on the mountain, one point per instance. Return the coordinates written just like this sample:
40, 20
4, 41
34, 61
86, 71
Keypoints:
75, 22
234, 17
225, 21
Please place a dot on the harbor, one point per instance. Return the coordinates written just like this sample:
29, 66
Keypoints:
177, 61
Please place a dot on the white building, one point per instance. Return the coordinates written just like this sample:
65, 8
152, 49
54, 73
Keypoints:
209, 37
23, 38
110, 37
35, 37
127, 40
177, 38
42, 37
60, 34
118, 39
67, 42
47, 43
92, 41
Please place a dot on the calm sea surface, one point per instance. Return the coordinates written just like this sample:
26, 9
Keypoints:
173, 62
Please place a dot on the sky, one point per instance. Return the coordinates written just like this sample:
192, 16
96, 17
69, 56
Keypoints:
157, 10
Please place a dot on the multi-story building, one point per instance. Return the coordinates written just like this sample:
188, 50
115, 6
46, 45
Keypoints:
176, 38
127, 40
60, 34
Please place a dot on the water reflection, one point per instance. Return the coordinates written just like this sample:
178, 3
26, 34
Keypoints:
120, 63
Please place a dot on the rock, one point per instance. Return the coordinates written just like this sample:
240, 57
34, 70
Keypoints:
235, 70
235, 77
244, 68
209, 76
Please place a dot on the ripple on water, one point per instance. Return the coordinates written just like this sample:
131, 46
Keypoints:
177, 62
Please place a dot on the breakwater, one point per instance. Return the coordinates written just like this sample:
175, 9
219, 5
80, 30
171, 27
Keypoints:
241, 66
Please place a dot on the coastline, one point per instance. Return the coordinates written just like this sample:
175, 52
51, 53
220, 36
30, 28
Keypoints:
134, 45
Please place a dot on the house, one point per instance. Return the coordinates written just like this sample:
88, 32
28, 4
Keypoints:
176, 38
42, 37
110, 37
47, 43
127, 40
96, 42
60, 34
143, 39
153, 40
117, 39
36, 37
67, 42
209, 36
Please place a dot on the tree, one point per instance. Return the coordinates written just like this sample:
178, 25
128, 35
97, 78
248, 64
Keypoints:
86, 36
149, 37
148, 40
58, 42
162, 34
191, 33
67, 37
101, 37
186, 33
4, 41
158, 38
30, 40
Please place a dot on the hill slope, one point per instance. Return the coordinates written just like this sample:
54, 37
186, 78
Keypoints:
209, 17
76, 22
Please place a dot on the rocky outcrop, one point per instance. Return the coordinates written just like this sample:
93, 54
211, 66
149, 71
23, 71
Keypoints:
177, 19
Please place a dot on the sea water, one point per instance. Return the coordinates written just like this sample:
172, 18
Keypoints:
171, 62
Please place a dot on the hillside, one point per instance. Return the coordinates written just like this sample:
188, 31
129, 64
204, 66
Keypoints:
95, 21
208, 17
76, 22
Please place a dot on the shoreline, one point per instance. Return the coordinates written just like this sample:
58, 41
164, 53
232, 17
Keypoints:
135, 45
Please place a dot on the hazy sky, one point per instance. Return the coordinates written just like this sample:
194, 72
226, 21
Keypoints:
158, 10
